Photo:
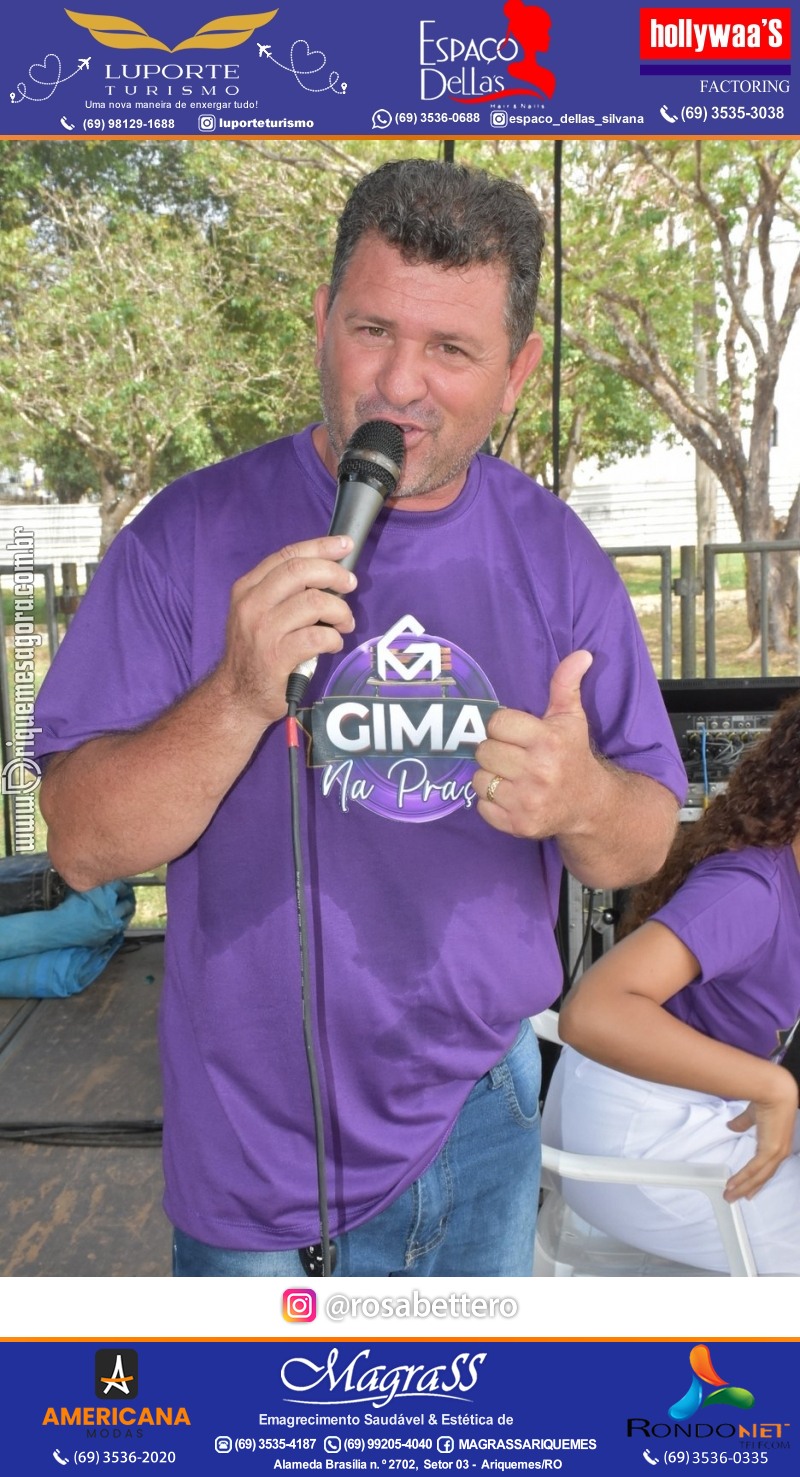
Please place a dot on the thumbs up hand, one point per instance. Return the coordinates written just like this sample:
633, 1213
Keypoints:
536, 774
565, 686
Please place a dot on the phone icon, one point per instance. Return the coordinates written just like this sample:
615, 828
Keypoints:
653, 1460
665, 113
59, 1458
70, 127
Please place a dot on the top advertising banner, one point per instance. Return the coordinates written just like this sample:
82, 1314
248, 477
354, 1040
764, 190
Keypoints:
449, 68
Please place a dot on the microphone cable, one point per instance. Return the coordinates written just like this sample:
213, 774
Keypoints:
319, 1260
369, 471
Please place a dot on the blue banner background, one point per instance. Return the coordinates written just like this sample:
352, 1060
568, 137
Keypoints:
363, 71
551, 1391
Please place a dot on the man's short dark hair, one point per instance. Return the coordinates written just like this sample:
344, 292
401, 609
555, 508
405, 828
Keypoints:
450, 216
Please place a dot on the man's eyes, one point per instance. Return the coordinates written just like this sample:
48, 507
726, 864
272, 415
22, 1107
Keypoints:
376, 331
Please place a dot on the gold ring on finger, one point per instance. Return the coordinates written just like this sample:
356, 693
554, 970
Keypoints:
491, 788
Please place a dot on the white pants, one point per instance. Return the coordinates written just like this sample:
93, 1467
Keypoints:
592, 1109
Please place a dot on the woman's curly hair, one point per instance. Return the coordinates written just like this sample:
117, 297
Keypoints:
760, 807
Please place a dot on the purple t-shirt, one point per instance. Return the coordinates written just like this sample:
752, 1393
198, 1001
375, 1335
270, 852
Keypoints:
739, 914
432, 933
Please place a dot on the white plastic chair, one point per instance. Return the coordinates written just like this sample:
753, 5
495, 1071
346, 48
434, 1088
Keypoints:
567, 1246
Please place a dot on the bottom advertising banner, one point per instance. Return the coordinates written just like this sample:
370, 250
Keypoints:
386, 1407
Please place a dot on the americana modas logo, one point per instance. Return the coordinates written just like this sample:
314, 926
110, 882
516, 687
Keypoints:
116, 1374
216, 35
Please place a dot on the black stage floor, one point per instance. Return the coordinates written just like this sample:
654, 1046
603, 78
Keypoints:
90, 1210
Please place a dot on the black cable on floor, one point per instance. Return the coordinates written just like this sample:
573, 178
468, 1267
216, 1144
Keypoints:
142, 1133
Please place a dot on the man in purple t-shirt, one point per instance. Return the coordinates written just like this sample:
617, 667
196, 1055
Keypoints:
484, 628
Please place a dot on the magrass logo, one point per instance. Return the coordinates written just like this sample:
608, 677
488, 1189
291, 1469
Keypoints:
354, 1380
127, 35
703, 1375
116, 1374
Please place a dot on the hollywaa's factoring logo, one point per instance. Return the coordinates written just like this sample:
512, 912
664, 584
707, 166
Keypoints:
397, 727
128, 35
715, 33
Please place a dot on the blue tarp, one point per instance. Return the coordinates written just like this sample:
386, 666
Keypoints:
61, 950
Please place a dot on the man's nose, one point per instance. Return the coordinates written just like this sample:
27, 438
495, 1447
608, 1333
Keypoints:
401, 378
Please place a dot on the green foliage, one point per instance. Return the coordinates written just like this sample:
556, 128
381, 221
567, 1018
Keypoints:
156, 298
113, 351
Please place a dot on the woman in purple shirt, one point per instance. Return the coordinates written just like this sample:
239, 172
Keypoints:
676, 1036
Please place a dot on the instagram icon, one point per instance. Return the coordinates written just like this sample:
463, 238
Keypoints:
299, 1305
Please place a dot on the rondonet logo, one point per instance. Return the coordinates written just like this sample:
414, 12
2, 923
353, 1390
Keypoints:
398, 724
721, 34
698, 1393
709, 1389
361, 1382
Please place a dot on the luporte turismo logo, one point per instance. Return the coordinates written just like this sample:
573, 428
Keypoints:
123, 33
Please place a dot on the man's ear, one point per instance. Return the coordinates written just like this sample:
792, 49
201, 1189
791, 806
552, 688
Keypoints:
520, 368
321, 299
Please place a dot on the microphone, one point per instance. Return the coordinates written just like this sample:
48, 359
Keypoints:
369, 472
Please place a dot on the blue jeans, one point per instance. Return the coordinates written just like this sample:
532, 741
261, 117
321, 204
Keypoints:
471, 1214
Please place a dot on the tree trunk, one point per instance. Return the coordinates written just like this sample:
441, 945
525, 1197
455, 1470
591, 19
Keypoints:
573, 453
115, 505
705, 331
759, 524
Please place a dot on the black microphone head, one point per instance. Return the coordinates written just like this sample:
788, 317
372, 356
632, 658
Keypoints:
375, 452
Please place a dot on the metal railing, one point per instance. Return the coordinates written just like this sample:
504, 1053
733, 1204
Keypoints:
687, 587
662, 552
762, 549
